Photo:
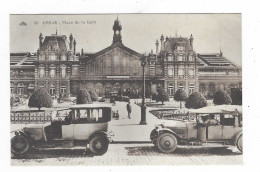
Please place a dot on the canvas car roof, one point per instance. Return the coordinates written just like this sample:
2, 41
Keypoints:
218, 109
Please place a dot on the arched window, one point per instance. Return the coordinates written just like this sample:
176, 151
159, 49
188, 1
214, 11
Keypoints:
52, 89
170, 89
20, 89
191, 58
41, 85
63, 88
12, 88
181, 86
191, 88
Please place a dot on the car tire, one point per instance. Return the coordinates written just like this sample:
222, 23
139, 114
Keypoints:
98, 145
240, 143
166, 143
19, 145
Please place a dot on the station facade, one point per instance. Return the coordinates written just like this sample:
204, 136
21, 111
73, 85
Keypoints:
58, 68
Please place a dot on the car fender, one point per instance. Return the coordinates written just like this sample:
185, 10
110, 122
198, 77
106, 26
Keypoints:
166, 130
102, 133
21, 133
237, 136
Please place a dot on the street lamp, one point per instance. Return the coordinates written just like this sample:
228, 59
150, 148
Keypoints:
143, 106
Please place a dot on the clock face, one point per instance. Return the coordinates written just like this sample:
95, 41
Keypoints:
117, 32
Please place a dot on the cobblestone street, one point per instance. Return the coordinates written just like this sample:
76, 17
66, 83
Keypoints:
133, 154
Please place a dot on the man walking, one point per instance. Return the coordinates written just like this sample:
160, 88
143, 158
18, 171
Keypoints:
129, 109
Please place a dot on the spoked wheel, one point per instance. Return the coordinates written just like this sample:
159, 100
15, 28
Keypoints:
167, 143
98, 145
19, 145
240, 143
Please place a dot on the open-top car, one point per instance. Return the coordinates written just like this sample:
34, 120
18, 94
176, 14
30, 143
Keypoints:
209, 126
77, 127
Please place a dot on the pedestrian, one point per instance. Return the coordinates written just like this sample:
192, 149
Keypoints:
129, 109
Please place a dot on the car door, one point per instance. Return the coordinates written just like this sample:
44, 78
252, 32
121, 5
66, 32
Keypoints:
228, 121
81, 124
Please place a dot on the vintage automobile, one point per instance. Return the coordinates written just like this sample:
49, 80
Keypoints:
81, 126
225, 129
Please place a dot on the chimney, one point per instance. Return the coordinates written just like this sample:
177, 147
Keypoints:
82, 52
151, 51
191, 41
162, 39
166, 38
71, 39
74, 47
40, 40
157, 46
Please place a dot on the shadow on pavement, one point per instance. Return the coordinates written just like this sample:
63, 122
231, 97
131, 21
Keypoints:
199, 151
44, 154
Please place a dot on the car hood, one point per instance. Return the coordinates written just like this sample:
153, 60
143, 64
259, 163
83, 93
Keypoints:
172, 123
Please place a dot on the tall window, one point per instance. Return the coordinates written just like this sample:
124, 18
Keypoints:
42, 72
63, 57
191, 58
170, 89
20, 89
75, 70
52, 72
170, 72
180, 72
191, 88
52, 89
63, 88
63, 72
52, 57
191, 72
41, 57
170, 57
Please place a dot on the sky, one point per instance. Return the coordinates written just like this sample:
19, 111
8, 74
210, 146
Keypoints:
139, 31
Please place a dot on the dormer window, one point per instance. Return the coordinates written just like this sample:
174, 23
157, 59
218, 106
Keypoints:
52, 57
179, 47
180, 57
170, 57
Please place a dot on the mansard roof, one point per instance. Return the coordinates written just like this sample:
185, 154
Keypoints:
215, 59
170, 45
90, 56
49, 41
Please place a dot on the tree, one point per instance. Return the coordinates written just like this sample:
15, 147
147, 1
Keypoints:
236, 96
196, 100
162, 95
83, 97
180, 95
40, 98
93, 95
221, 97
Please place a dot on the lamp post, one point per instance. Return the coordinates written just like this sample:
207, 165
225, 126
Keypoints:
143, 106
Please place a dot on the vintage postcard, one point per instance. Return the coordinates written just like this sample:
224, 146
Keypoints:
126, 89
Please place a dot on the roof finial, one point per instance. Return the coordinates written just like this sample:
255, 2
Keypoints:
56, 32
